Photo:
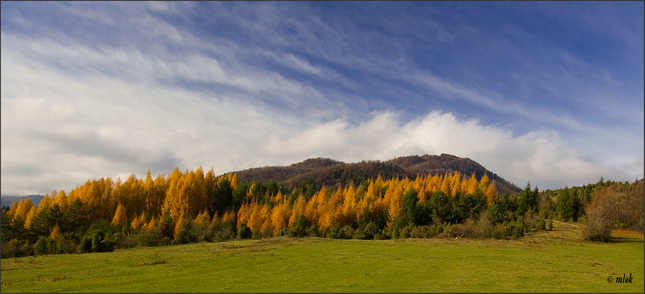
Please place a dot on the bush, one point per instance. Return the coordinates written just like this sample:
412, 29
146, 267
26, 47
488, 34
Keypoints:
312, 231
16, 248
40, 248
334, 232
417, 232
244, 232
500, 231
86, 244
518, 229
601, 213
597, 230
434, 230
539, 225
183, 237
348, 232
53, 246
165, 241
366, 233
299, 228
97, 239
67, 245
484, 227
404, 233
148, 238
465, 230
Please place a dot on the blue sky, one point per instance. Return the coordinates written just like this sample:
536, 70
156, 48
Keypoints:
547, 92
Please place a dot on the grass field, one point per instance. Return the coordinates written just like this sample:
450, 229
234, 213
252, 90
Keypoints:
555, 261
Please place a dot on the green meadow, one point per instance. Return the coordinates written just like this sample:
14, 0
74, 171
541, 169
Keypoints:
546, 261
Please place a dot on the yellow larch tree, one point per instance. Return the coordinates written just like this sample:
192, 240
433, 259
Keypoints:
471, 184
267, 225
229, 215
46, 202
311, 210
256, 219
152, 224
23, 208
55, 232
232, 178
138, 221
455, 185
180, 225
244, 214
445, 184
203, 218
349, 206
119, 215
62, 202
280, 216
491, 193
484, 182
30, 217
298, 208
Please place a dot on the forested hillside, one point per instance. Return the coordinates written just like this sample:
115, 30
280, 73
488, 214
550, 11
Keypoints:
317, 197
329, 172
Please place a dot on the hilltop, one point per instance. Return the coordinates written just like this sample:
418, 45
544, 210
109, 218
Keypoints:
329, 172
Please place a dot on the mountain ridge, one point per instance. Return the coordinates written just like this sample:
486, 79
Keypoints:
329, 172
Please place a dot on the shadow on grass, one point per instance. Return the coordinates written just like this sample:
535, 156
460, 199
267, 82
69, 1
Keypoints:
625, 240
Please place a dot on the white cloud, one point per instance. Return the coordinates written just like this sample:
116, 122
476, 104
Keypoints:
539, 156
74, 110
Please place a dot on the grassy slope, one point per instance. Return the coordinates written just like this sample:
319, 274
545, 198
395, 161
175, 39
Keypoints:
541, 262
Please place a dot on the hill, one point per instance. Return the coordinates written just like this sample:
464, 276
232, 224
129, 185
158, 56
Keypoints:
8, 200
329, 172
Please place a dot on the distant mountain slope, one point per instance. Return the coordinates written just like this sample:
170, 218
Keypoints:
440, 164
329, 172
8, 200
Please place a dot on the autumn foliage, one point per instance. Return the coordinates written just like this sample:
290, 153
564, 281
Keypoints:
192, 205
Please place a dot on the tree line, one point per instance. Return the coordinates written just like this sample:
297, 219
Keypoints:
193, 206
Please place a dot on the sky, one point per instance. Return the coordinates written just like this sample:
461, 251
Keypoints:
546, 92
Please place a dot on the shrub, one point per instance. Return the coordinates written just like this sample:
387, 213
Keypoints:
26, 249
418, 232
148, 238
183, 237
312, 231
244, 232
333, 232
16, 248
366, 233
549, 223
67, 245
348, 232
601, 214
539, 225
97, 238
165, 241
465, 230
434, 230
40, 248
518, 229
299, 228
404, 233
484, 227
53, 246
500, 231
86, 244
